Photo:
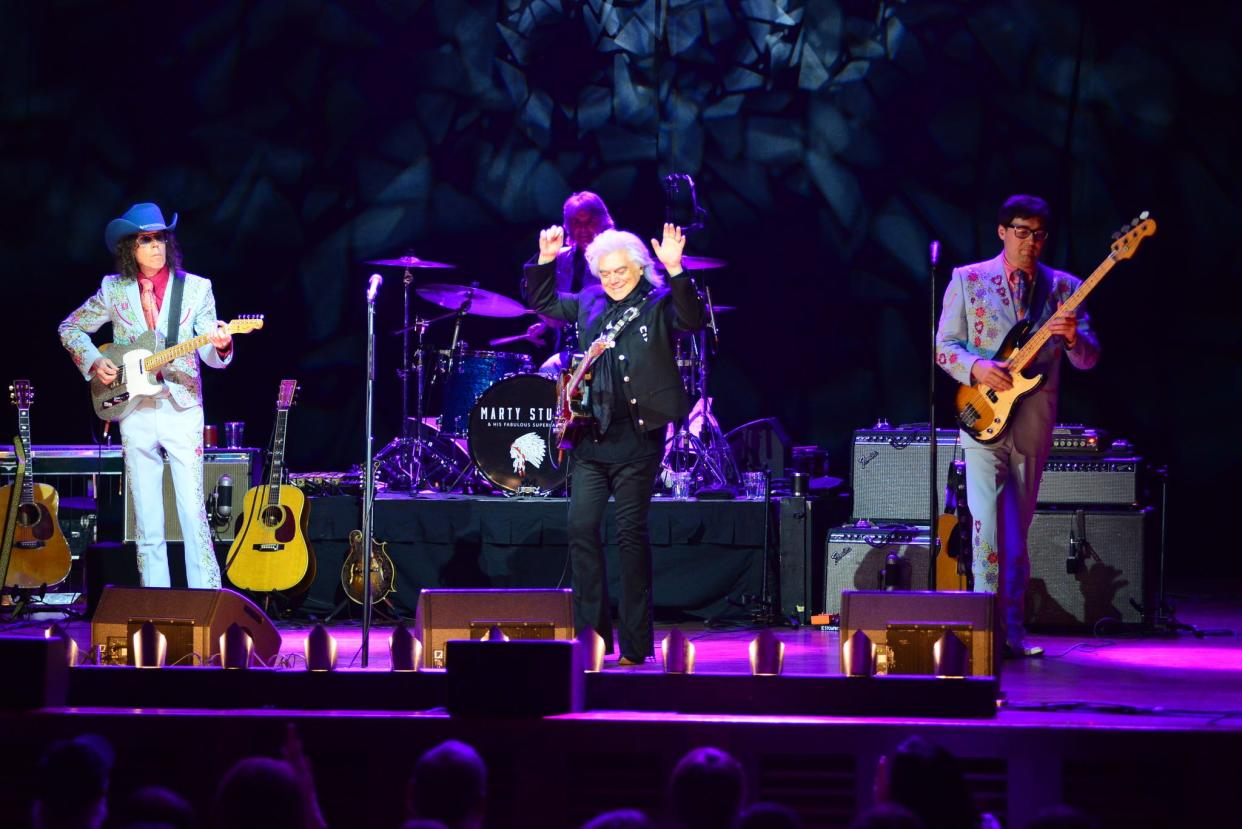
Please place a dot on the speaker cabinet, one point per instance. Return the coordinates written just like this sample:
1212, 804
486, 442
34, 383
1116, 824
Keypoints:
803, 525
888, 471
855, 559
238, 464
1117, 552
514, 679
970, 615
193, 621
443, 615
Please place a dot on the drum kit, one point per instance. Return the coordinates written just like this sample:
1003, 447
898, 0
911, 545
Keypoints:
494, 413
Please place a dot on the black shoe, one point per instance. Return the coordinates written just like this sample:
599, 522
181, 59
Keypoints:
1023, 651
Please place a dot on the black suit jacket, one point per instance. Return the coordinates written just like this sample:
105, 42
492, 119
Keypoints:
644, 351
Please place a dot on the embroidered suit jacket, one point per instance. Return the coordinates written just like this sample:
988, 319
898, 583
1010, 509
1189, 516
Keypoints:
119, 302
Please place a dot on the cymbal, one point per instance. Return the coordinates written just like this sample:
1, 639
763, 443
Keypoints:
483, 303
409, 261
701, 263
720, 309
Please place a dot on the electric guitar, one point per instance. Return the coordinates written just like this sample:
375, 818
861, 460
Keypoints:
10, 512
270, 551
138, 362
953, 533
40, 555
985, 412
573, 412
383, 574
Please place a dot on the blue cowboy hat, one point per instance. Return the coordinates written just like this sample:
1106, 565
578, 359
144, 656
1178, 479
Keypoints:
141, 218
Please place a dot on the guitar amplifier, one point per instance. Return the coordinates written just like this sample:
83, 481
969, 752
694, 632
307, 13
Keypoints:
855, 558
1115, 551
888, 471
1091, 481
239, 464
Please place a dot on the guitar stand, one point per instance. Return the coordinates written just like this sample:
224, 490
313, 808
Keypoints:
392, 617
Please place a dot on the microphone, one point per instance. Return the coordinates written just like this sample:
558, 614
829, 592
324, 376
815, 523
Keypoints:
223, 498
935, 253
373, 286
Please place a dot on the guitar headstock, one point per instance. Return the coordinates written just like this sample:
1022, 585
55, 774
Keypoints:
1126, 240
21, 392
245, 324
288, 390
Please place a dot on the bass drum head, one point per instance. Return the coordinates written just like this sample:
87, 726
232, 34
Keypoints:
509, 433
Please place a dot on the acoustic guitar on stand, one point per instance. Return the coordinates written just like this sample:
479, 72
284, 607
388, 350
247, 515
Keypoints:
270, 552
40, 555
138, 363
985, 412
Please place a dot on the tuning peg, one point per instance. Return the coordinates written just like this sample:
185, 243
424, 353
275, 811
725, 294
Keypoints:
1144, 215
1134, 223
1116, 235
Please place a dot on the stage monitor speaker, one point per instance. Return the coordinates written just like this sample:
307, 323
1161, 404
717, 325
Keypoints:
238, 464
515, 678
888, 471
970, 615
443, 615
193, 621
803, 525
1115, 555
855, 559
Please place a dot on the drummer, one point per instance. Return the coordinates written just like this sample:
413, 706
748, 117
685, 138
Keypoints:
586, 216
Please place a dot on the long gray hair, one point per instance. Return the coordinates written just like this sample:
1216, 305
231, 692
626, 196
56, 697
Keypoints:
611, 241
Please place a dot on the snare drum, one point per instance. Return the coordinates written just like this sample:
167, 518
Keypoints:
509, 434
471, 374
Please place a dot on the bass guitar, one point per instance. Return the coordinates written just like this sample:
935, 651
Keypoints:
40, 554
953, 533
270, 551
985, 412
138, 363
383, 574
573, 410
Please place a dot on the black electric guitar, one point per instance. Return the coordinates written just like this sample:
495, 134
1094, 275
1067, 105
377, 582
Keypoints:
573, 410
985, 412
953, 533
40, 554
271, 551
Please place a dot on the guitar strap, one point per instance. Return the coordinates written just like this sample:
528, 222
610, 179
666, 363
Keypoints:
174, 309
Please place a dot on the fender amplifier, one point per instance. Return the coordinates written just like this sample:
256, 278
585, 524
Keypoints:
1099, 481
1111, 553
238, 464
888, 471
855, 558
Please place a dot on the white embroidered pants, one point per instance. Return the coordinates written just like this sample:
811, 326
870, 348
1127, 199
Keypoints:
156, 424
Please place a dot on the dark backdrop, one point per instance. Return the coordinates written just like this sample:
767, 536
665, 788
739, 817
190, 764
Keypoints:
830, 142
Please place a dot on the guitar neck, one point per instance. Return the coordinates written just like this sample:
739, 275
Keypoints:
23, 431
1032, 347
276, 473
588, 360
162, 358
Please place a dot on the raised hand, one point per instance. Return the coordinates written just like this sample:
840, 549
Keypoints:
669, 251
550, 242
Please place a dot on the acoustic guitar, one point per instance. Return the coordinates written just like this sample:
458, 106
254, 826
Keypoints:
40, 554
953, 533
138, 362
270, 551
383, 574
573, 410
984, 412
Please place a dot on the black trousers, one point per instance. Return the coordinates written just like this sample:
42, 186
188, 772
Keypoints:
631, 484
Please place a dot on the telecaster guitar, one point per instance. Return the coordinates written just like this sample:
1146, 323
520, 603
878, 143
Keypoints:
572, 411
985, 412
270, 551
139, 361
40, 554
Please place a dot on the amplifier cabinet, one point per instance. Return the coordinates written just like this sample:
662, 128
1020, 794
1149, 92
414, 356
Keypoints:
238, 464
1090, 481
888, 471
1122, 568
854, 559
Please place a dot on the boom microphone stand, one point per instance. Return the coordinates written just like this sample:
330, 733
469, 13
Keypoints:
368, 481
933, 501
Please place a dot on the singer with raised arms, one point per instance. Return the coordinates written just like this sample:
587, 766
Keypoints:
634, 392
151, 292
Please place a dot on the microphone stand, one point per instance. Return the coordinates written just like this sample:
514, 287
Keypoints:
933, 543
368, 481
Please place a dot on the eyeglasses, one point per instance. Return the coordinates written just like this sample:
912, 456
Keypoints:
148, 238
1024, 232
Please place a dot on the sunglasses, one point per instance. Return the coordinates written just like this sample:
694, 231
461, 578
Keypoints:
148, 238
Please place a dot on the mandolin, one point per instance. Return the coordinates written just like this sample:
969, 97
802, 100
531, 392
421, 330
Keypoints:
270, 551
383, 574
984, 412
40, 554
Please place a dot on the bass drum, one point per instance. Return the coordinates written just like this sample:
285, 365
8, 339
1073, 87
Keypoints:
510, 427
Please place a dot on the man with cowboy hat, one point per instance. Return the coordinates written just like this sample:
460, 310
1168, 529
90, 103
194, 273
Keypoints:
136, 299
